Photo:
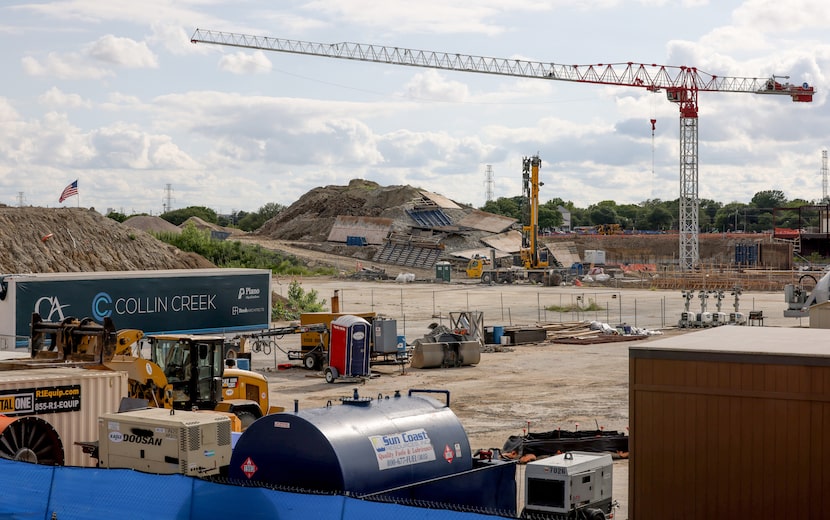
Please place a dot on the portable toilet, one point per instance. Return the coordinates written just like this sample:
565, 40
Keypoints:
349, 348
443, 271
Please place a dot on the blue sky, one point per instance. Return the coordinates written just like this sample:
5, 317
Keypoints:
115, 95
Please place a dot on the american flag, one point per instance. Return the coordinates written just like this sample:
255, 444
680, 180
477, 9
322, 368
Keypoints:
69, 191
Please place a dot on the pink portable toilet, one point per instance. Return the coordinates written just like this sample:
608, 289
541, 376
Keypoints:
349, 348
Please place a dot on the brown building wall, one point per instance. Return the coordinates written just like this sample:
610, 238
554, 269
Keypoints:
728, 436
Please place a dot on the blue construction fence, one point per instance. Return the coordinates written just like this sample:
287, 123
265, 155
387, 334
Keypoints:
33, 491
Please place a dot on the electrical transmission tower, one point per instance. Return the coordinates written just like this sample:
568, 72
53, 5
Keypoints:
168, 198
21, 200
488, 183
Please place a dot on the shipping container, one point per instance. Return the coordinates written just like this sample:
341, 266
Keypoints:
70, 400
166, 301
730, 422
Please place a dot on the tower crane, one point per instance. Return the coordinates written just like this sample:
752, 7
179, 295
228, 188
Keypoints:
680, 83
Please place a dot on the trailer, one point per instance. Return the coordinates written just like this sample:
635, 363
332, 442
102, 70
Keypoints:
199, 301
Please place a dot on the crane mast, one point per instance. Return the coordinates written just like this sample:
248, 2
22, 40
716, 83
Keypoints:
681, 85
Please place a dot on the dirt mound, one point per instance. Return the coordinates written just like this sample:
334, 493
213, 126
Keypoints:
152, 224
52, 240
207, 226
312, 216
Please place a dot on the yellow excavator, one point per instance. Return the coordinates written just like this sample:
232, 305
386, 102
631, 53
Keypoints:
184, 371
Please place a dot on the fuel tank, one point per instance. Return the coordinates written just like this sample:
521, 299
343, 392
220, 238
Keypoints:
364, 445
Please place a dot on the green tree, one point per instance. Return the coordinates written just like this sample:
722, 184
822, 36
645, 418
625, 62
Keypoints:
254, 221
631, 215
658, 218
506, 206
549, 215
116, 216
731, 217
604, 212
769, 199
178, 216
299, 302
708, 209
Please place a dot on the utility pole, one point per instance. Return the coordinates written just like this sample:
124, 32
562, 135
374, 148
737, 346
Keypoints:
488, 183
824, 176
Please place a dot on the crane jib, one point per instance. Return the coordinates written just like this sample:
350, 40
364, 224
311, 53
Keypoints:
650, 76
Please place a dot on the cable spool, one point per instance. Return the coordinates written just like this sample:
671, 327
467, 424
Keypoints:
30, 439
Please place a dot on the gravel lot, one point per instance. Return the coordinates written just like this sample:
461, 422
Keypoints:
538, 386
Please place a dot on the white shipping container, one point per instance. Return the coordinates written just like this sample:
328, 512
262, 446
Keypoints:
594, 256
70, 399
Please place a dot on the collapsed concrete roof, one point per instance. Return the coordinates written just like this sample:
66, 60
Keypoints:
509, 242
373, 229
477, 219
440, 200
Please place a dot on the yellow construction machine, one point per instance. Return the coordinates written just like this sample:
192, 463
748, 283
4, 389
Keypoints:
184, 371
609, 229
476, 266
532, 254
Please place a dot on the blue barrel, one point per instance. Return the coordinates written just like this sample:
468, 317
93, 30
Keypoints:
498, 332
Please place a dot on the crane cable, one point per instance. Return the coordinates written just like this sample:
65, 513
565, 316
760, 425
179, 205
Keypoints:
653, 128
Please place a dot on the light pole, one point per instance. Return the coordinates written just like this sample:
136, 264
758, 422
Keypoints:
618, 297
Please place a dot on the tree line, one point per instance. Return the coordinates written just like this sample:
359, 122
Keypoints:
246, 221
762, 213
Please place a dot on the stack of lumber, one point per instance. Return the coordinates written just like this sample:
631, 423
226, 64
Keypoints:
580, 332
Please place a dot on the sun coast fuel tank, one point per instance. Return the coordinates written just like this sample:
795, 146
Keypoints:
362, 446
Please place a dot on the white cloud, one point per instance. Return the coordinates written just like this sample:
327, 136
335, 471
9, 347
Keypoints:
245, 63
56, 141
124, 147
783, 17
431, 16
125, 52
120, 99
63, 66
54, 98
7, 111
173, 38
432, 86
147, 12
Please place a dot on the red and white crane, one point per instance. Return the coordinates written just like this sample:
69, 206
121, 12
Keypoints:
681, 85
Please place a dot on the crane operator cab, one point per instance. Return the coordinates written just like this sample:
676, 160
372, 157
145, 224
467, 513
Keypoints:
193, 366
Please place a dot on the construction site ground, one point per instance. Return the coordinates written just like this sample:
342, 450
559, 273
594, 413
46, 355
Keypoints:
541, 386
